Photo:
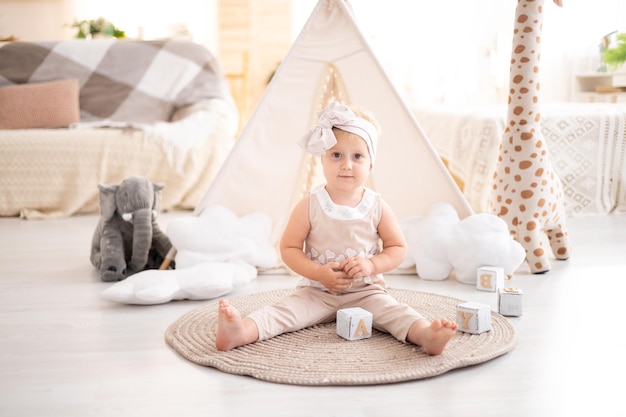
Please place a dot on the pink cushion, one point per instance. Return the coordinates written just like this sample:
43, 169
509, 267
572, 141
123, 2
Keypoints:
39, 105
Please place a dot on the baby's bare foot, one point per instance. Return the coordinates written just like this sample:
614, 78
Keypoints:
436, 336
229, 327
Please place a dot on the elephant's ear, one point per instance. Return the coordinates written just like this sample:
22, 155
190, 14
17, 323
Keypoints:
156, 204
107, 200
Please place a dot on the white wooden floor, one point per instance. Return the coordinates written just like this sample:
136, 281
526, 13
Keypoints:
66, 352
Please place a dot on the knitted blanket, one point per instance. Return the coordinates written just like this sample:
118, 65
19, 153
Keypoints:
120, 80
585, 141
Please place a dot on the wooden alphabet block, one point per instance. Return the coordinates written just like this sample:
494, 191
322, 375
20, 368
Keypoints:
473, 317
354, 323
510, 302
489, 278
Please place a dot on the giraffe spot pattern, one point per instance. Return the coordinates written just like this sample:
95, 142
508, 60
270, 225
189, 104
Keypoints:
525, 187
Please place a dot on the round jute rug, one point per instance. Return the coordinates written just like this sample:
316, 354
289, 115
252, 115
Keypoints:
318, 356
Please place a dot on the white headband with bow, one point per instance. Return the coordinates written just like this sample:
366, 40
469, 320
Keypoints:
321, 137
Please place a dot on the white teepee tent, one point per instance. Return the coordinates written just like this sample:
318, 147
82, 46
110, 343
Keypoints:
267, 172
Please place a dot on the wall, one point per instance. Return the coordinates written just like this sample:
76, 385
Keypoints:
254, 36
36, 19
458, 51
42, 20
157, 19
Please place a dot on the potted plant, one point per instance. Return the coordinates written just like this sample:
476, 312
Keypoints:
616, 56
99, 27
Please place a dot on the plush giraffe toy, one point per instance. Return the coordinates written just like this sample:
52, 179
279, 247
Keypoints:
526, 191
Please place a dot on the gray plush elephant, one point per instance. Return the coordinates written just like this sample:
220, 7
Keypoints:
128, 239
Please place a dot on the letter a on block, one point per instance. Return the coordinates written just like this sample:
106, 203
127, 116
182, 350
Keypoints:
465, 316
361, 329
485, 280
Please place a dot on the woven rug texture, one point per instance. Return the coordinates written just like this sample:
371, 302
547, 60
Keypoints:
318, 356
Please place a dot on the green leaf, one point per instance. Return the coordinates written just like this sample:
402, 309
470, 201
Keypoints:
616, 56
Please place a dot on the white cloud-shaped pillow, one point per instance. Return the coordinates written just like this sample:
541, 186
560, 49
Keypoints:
441, 243
200, 282
428, 240
215, 252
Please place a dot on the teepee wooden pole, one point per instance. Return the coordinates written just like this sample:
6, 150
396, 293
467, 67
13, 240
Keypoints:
171, 254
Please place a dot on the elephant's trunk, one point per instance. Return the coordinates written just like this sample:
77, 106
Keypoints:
142, 239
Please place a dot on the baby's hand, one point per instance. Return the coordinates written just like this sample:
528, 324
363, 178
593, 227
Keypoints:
331, 276
357, 267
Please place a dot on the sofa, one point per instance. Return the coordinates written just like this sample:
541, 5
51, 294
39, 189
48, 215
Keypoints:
78, 113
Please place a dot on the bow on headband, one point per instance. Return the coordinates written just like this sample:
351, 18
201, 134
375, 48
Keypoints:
321, 137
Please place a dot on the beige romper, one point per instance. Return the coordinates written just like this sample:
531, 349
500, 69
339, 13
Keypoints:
338, 232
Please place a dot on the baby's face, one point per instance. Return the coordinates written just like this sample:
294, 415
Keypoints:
348, 163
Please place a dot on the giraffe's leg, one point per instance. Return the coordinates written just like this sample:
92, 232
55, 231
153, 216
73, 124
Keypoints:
559, 242
536, 255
